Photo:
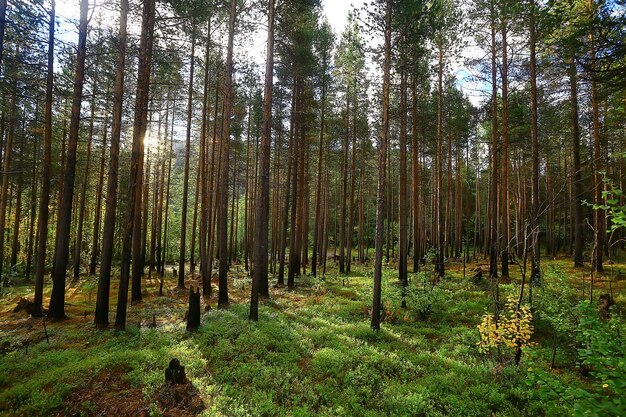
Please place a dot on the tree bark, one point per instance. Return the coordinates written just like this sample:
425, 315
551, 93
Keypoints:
101, 318
61, 251
6, 169
183, 222
504, 199
260, 273
131, 245
535, 275
402, 197
382, 161
222, 237
493, 186
98, 210
44, 201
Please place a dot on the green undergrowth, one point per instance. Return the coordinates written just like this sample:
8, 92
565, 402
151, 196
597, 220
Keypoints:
312, 352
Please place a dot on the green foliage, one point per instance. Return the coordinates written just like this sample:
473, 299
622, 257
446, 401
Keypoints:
312, 353
555, 303
601, 354
615, 211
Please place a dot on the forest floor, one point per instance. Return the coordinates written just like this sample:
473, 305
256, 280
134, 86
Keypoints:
311, 353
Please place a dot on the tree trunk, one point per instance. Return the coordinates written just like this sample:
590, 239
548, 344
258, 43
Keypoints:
402, 197
183, 222
132, 233
222, 236
6, 169
139, 130
44, 201
597, 164
15, 245
98, 210
352, 181
416, 179
262, 204
437, 203
493, 186
504, 199
295, 151
32, 206
78, 243
382, 169
61, 251
344, 189
320, 160
101, 318
203, 169
535, 275
577, 186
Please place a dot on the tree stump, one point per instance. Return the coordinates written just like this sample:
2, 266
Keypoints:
193, 314
175, 373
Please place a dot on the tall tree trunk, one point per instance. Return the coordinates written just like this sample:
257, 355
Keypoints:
344, 188
506, 216
203, 168
131, 245
98, 212
598, 224
320, 161
285, 217
382, 169
167, 195
493, 186
231, 248
145, 203
6, 169
139, 131
260, 273
194, 223
222, 236
183, 222
535, 275
352, 182
61, 251
294, 262
101, 318
78, 243
15, 245
577, 186
416, 179
32, 206
44, 201
402, 197
437, 203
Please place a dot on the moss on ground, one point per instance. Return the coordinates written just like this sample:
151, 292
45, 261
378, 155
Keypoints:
311, 353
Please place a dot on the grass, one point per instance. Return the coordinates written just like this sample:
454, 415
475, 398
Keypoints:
311, 353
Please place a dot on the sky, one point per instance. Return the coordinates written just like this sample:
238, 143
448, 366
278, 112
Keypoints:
336, 12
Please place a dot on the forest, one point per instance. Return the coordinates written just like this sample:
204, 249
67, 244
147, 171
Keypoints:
305, 207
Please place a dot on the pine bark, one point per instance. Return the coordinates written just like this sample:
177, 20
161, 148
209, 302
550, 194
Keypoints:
535, 274
61, 252
101, 318
183, 222
260, 274
131, 245
44, 201
222, 235
382, 161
